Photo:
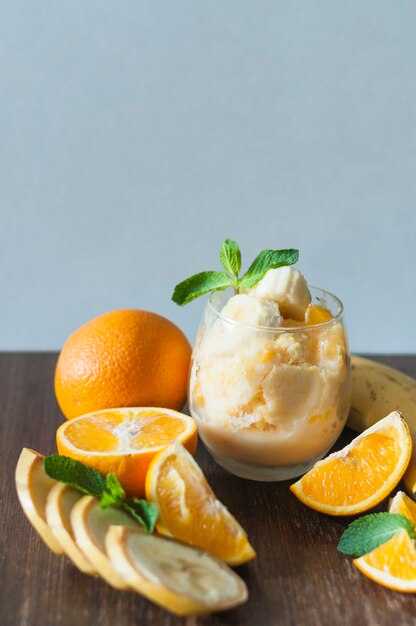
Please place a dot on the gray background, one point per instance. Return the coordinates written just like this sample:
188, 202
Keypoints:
135, 136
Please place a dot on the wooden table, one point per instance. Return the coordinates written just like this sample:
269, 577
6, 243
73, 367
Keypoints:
298, 578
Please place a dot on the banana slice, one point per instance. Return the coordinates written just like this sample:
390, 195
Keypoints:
33, 486
90, 524
182, 579
288, 288
61, 500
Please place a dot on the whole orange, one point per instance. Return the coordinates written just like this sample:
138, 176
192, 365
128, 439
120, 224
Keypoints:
123, 358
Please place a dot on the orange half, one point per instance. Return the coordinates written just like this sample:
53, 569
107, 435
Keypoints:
189, 510
392, 564
360, 475
124, 441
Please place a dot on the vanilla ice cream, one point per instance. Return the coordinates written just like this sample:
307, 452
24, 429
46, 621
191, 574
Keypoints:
266, 388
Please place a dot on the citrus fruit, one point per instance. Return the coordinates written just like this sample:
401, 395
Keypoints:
124, 441
123, 358
189, 510
90, 524
179, 578
402, 504
360, 475
33, 486
392, 564
60, 502
316, 314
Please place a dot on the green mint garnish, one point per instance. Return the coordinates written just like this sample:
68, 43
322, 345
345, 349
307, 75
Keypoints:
265, 261
114, 494
75, 474
143, 511
108, 490
370, 531
230, 257
199, 284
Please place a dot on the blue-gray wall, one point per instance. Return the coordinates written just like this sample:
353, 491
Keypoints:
135, 136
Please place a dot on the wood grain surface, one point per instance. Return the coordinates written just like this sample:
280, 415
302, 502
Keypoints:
297, 579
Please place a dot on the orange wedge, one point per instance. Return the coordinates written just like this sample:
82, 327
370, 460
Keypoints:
189, 510
402, 504
124, 441
360, 475
392, 564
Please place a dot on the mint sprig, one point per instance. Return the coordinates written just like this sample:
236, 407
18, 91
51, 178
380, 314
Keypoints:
371, 531
230, 257
108, 490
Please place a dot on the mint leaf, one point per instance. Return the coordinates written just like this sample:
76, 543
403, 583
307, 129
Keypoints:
75, 474
267, 260
146, 513
109, 491
107, 499
370, 531
199, 284
115, 495
114, 487
230, 256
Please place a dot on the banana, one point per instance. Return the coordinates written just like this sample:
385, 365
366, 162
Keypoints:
255, 311
376, 391
108, 542
178, 577
59, 504
33, 486
90, 524
288, 288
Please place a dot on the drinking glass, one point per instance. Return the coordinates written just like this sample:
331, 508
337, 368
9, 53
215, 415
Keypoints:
270, 402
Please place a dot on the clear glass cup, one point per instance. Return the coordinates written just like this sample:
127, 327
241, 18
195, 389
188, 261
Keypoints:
270, 402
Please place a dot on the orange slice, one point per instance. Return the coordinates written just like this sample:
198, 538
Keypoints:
124, 441
392, 564
401, 503
189, 510
360, 475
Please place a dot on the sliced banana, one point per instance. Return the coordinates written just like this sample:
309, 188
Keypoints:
176, 576
60, 502
90, 524
288, 288
33, 486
